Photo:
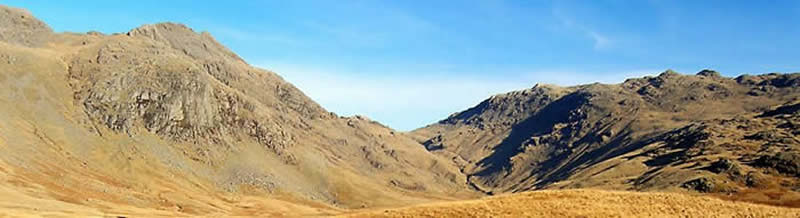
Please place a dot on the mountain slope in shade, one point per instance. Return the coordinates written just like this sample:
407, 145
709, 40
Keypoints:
165, 118
671, 132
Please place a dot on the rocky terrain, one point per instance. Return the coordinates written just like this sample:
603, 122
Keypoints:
735, 137
166, 121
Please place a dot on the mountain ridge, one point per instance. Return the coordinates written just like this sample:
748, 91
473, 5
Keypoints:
542, 137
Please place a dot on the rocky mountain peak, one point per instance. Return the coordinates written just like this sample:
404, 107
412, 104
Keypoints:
179, 36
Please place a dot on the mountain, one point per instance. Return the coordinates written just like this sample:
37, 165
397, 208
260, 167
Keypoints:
166, 118
165, 121
732, 137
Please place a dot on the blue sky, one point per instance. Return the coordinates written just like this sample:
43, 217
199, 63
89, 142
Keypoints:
411, 63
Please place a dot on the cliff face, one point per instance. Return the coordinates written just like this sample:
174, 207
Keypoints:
652, 133
162, 114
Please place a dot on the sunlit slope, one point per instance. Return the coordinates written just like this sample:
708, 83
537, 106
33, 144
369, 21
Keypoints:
165, 120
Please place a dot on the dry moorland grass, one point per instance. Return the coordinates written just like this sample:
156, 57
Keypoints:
587, 203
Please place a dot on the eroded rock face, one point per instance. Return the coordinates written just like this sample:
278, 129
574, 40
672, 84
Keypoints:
122, 85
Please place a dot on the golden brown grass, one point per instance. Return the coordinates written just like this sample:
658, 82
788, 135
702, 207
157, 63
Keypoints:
587, 203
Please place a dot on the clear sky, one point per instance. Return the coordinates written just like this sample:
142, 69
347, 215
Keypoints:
410, 63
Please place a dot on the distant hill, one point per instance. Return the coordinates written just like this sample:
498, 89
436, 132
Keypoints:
673, 132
